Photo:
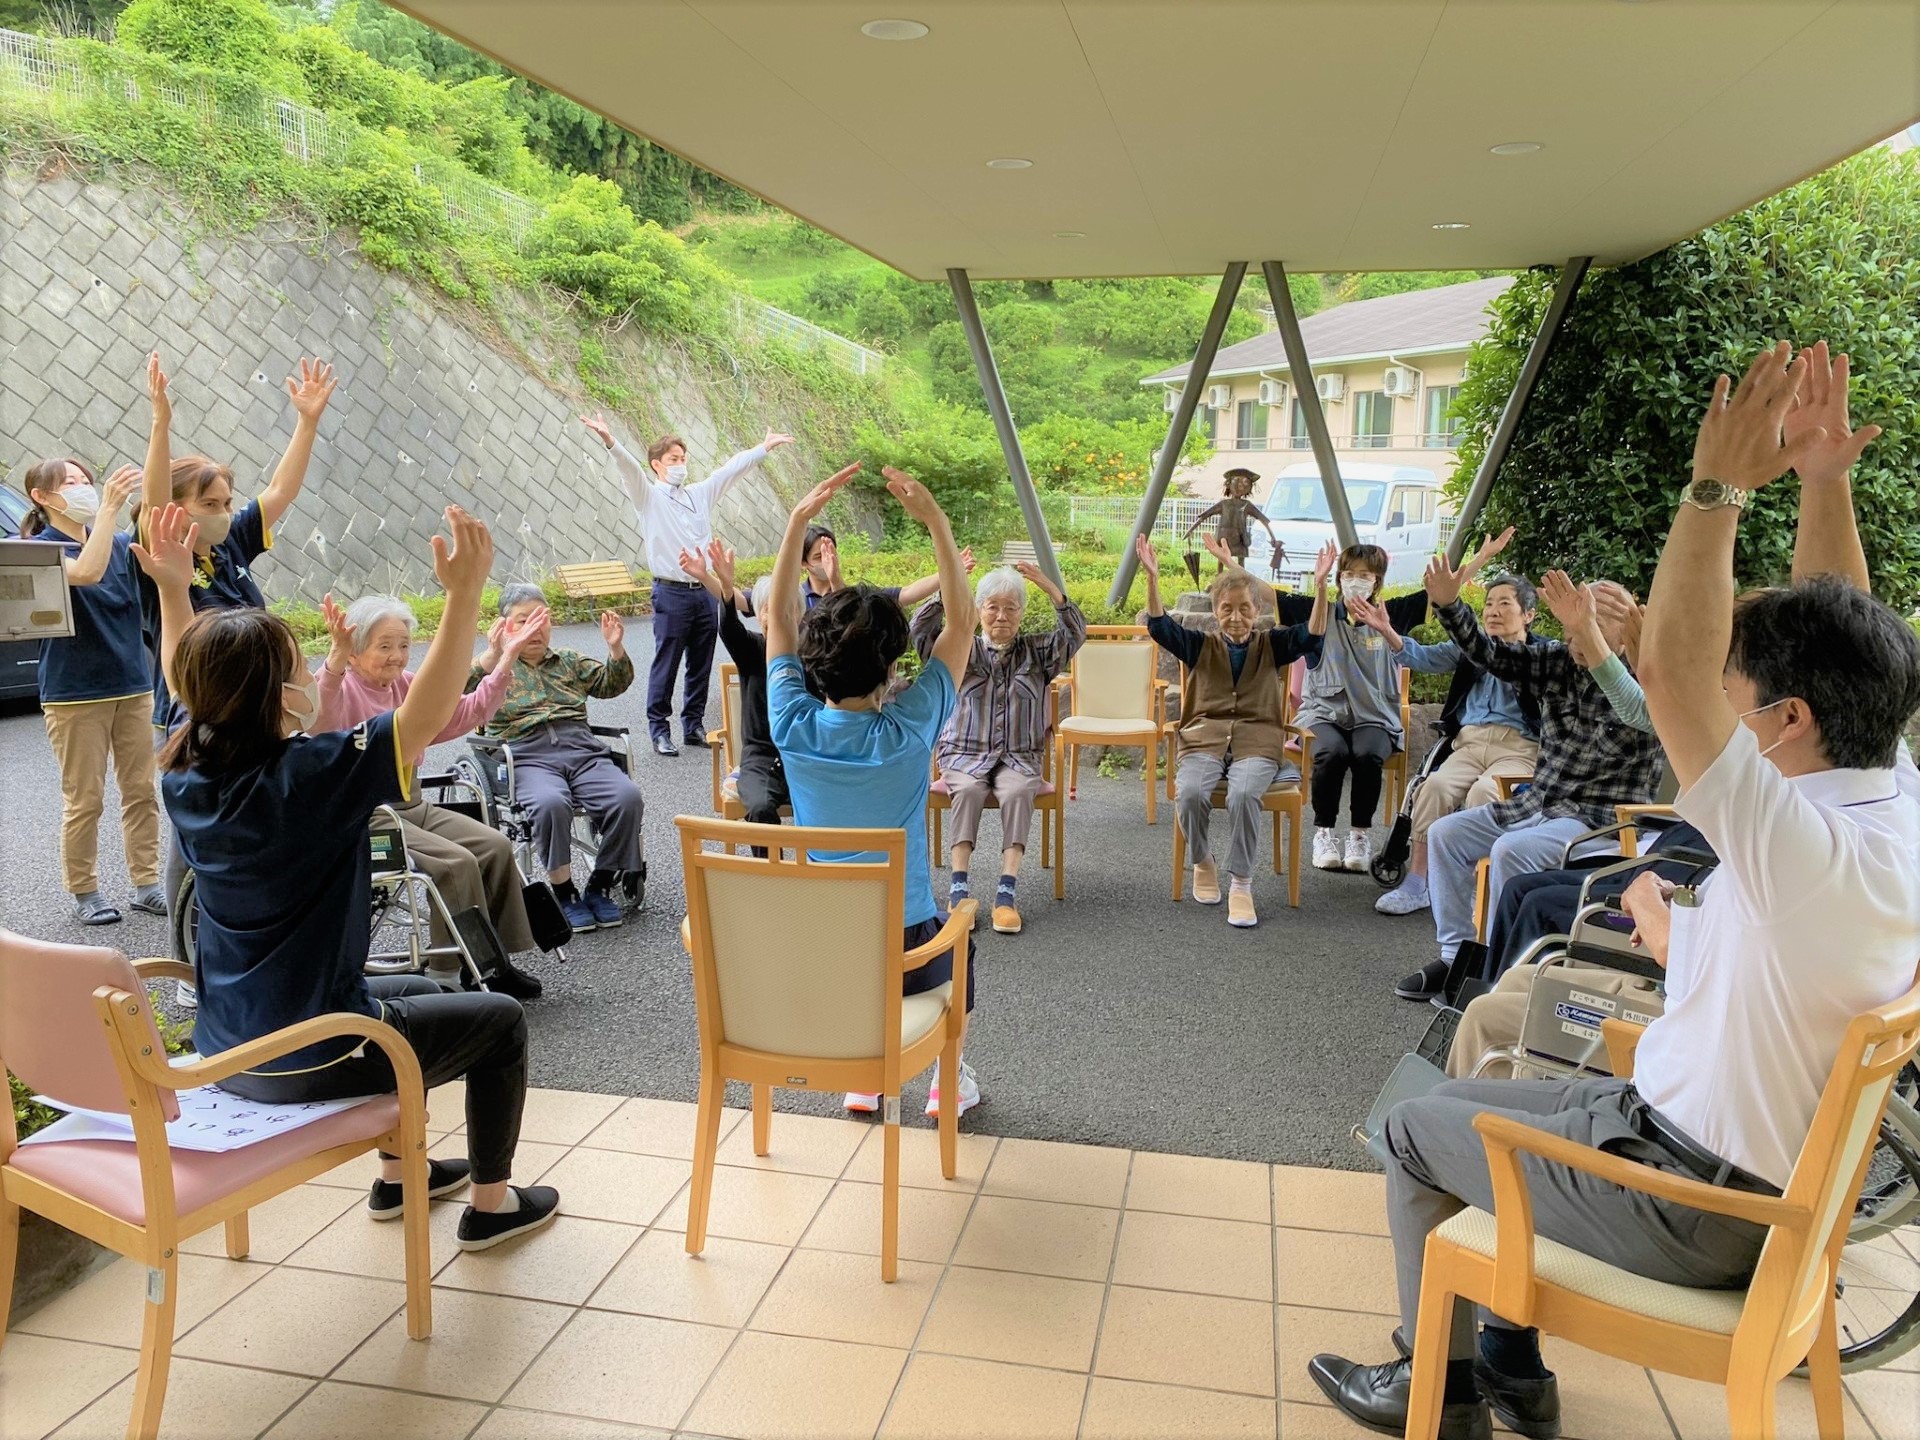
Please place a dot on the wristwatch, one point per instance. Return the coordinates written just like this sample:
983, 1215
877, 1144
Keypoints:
1715, 495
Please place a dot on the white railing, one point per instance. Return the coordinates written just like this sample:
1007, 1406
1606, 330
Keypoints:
777, 324
1177, 512
1415, 440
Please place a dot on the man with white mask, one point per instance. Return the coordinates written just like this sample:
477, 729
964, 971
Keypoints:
677, 515
1781, 714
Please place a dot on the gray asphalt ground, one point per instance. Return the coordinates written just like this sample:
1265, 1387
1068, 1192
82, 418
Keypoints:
1117, 1018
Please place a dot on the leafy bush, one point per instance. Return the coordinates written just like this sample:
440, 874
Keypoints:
881, 318
589, 242
238, 36
1607, 441
832, 290
395, 212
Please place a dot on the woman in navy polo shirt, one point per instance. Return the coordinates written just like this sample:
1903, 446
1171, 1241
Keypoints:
96, 684
274, 824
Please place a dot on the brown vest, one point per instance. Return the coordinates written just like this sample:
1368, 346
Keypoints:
1243, 718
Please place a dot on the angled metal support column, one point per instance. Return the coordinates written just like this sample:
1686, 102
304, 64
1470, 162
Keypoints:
1177, 430
1003, 423
1571, 274
1300, 370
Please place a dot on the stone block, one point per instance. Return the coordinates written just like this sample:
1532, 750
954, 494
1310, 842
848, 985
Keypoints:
126, 362
102, 298
33, 354
98, 330
48, 212
26, 384
143, 306
81, 355
122, 249
31, 269
58, 296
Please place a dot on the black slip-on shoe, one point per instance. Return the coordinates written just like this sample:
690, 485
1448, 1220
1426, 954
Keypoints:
444, 1177
1425, 983
483, 1229
663, 745
1532, 1407
1376, 1396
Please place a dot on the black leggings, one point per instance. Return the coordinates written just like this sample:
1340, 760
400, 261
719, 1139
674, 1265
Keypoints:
762, 787
1362, 752
482, 1036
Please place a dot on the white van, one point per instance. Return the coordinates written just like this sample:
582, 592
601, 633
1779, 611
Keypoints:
1394, 507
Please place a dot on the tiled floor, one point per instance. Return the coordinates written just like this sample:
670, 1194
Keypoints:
1051, 1290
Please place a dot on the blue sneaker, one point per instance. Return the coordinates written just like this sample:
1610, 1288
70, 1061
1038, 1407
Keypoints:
579, 914
605, 909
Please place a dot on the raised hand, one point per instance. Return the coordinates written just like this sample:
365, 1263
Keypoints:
1149, 559
339, 633
119, 489
311, 391
1742, 439
1035, 575
815, 500
515, 636
720, 562
914, 497
157, 391
1488, 549
1443, 582
613, 630
1217, 548
461, 564
1822, 414
966, 559
1324, 562
1373, 615
597, 423
1572, 605
167, 557
695, 564
775, 440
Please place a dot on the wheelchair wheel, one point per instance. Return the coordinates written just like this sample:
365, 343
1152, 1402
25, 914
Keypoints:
1878, 1289
1388, 872
633, 885
184, 919
471, 773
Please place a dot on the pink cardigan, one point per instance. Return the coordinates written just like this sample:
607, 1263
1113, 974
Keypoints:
346, 700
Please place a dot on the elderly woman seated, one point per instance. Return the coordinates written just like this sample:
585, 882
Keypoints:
996, 741
365, 674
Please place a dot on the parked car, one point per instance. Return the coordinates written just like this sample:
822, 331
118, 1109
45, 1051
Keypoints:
19, 659
1394, 507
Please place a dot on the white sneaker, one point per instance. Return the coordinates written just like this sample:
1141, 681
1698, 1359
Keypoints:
1326, 850
969, 1091
1409, 897
188, 997
1359, 851
862, 1103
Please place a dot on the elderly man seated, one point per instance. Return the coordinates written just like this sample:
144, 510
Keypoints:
1781, 717
995, 742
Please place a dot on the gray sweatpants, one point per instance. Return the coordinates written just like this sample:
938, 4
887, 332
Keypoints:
1439, 1168
567, 765
1247, 781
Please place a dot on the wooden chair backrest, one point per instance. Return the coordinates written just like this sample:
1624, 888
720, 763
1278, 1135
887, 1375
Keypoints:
591, 579
1113, 678
796, 955
730, 713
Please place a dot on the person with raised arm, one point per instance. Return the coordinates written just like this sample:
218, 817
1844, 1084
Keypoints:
274, 824
760, 779
854, 757
1232, 695
676, 514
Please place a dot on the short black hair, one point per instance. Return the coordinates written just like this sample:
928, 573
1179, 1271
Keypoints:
1854, 661
1523, 591
849, 641
815, 534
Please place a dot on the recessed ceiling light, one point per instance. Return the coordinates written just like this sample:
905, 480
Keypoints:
893, 30
1009, 162
1069, 234
1451, 225
1517, 147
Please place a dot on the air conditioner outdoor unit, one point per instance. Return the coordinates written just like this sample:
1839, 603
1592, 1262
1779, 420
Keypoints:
1330, 387
1273, 392
1400, 381
1219, 397
1170, 402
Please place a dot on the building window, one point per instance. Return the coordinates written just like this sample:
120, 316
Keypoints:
1209, 419
1301, 440
1372, 420
1251, 426
1443, 430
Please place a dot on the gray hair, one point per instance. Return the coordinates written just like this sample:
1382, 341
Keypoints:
1006, 583
369, 610
762, 593
518, 593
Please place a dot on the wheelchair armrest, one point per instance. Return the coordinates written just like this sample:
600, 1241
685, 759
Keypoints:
612, 732
437, 780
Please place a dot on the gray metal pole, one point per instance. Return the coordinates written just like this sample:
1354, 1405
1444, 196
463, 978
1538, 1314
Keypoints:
1571, 274
1216, 326
1003, 423
1300, 371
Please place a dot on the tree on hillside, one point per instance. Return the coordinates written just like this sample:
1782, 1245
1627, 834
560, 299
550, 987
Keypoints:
1593, 475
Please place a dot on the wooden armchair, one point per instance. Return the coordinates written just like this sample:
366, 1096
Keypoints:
1116, 700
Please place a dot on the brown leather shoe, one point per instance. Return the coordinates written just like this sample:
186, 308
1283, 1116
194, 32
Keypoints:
1206, 884
1006, 920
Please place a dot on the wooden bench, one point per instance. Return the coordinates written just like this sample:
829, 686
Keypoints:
1019, 552
596, 579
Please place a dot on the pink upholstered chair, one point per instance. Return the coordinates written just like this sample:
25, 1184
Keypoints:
75, 1024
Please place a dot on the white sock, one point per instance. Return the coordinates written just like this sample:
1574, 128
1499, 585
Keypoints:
508, 1206
1242, 884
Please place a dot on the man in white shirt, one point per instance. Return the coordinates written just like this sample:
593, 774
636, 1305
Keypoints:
677, 516
1781, 717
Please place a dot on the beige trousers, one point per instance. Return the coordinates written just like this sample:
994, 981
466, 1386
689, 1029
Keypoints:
470, 864
1469, 776
85, 736
1494, 1021
1015, 792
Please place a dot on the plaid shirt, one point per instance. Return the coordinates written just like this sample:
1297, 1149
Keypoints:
1000, 714
552, 692
1589, 760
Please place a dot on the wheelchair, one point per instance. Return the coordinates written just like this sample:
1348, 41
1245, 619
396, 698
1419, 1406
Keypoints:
487, 771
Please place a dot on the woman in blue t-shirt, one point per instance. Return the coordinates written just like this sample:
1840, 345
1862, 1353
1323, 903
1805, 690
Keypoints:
96, 684
274, 824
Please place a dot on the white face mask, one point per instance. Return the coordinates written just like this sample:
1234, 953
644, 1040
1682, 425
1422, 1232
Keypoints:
213, 528
80, 503
309, 691
1355, 587
1762, 710
677, 474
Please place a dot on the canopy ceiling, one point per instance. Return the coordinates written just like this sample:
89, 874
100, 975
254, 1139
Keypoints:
1177, 135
